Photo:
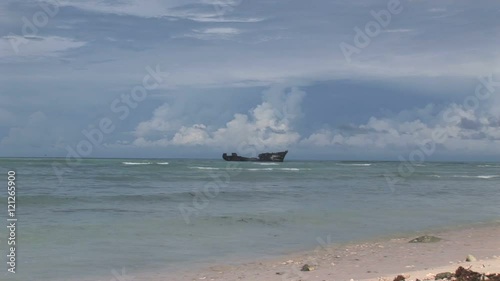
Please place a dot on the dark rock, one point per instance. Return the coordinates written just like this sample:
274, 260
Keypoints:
463, 274
400, 278
444, 275
426, 239
493, 277
307, 267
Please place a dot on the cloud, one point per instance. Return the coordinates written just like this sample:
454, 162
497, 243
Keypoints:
165, 119
147, 9
274, 123
244, 47
268, 125
15, 46
196, 10
221, 30
437, 10
214, 18
36, 132
460, 129
214, 33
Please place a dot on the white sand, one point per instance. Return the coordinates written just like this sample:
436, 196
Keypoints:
376, 260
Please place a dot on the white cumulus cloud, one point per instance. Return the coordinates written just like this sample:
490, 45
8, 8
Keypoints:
455, 128
268, 125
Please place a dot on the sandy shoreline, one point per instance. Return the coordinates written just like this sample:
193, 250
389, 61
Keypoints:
374, 260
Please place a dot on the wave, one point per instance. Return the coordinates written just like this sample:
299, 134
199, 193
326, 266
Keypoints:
356, 164
291, 169
260, 169
280, 169
80, 202
269, 221
267, 164
477, 177
487, 177
488, 166
250, 169
137, 163
162, 163
205, 168
96, 210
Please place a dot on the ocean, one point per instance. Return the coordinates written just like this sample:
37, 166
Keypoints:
103, 216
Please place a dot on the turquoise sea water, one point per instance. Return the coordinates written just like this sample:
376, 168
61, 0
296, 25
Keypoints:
149, 215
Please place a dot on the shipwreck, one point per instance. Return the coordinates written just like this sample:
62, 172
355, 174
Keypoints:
263, 157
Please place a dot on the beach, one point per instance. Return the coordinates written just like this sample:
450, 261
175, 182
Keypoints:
210, 140
195, 219
375, 260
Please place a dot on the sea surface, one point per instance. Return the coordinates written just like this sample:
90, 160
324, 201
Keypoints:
96, 218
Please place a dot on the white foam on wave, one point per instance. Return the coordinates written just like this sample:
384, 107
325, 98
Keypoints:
290, 169
205, 168
488, 177
267, 164
260, 169
356, 164
136, 163
488, 166
477, 177
272, 169
162, 163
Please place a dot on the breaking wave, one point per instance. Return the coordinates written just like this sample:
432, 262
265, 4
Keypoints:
290, 169
355, 164
137, 163
205, 168
487, 177
260, 169
477, 177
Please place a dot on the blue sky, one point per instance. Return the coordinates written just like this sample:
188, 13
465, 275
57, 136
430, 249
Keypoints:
239, 75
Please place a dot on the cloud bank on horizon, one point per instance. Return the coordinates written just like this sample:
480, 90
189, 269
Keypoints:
346, 79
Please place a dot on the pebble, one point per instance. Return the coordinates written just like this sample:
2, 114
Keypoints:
307, 267
470, 258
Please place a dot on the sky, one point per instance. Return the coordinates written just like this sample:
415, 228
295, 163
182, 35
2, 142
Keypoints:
340, 80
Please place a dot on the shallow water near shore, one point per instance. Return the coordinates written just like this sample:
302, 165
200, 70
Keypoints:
149, 215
